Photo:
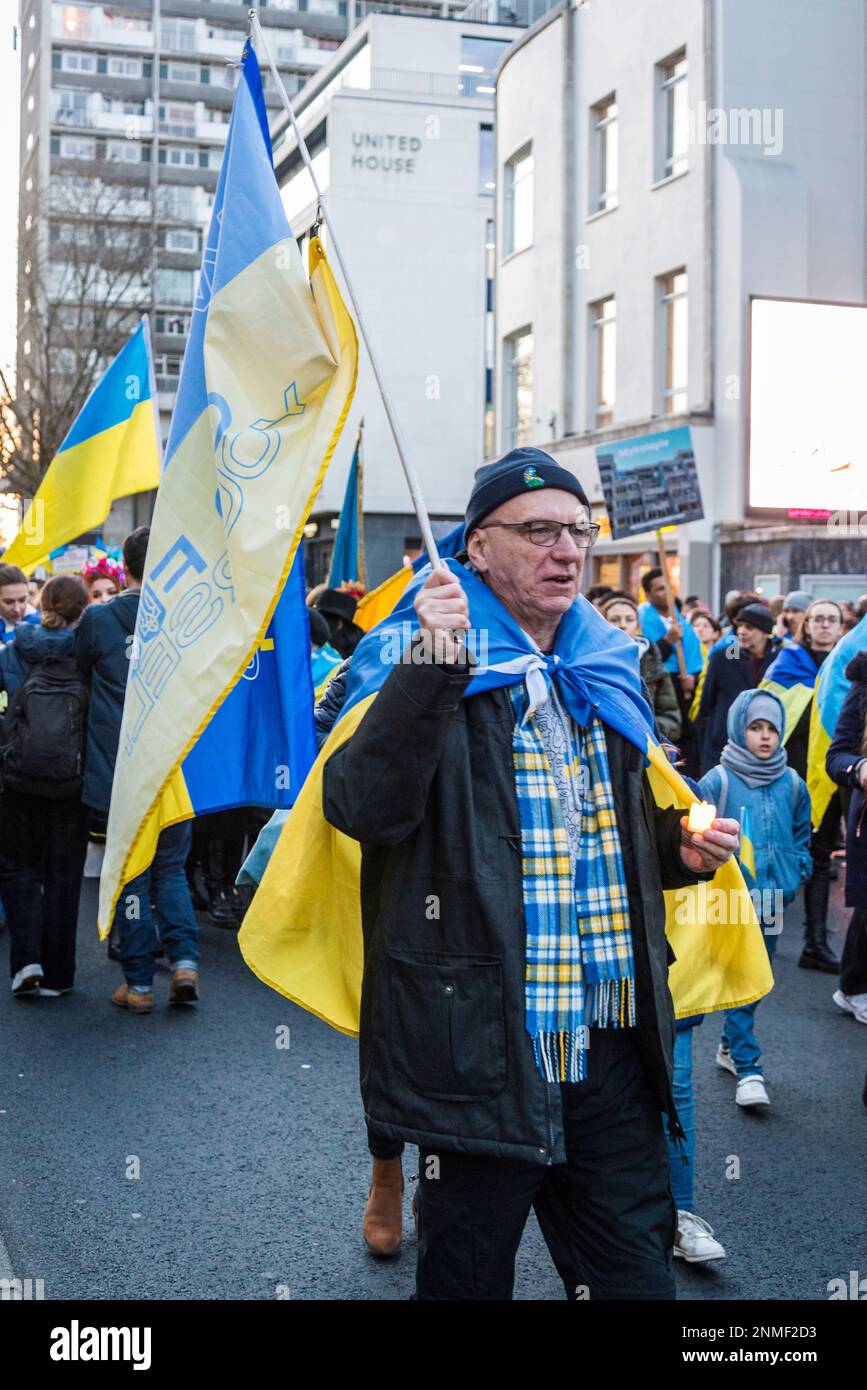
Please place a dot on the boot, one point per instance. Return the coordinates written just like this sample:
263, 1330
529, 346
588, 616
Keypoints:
221, 911
383, 1215
817, 954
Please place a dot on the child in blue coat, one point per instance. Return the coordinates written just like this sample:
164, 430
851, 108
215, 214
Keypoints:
753, 780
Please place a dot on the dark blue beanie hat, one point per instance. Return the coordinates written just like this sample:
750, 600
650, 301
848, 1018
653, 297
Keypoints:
522, 470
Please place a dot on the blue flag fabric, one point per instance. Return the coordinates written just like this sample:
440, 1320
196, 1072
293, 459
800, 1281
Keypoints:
594, 665
793, 666
347, 561
652, 626
261, 743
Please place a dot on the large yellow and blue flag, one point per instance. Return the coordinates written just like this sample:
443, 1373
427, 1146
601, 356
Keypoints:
831, 690
347, 559
266, 385
112, 450
302, 933
792, 677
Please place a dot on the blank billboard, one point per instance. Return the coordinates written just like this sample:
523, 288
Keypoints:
807, 406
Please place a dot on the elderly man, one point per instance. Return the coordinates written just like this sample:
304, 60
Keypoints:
516, 1021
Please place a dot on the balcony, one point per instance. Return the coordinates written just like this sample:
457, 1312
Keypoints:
86, 25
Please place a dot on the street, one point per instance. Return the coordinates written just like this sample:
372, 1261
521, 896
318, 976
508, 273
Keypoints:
253, 1168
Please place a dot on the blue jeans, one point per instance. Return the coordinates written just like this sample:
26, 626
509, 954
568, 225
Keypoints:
682, 1174
165, 882
738, 1034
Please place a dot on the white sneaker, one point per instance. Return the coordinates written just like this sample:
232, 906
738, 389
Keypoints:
52, 993
694, 1241
751, 1091
855, 1004
724, 1060
28, 979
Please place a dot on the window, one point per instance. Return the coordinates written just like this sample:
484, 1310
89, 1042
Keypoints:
182, 239
178, 119
181, 72
518, 389
478, 65
76, 147
71, 108
673, 116
486, 159
124, 67
180, 156
125, 151
179, 34
175, 324
674, 312
72, 61
174, 287
603, 319
518, 202
603, 161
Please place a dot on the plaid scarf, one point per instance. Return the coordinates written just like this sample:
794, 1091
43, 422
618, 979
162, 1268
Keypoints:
576, 910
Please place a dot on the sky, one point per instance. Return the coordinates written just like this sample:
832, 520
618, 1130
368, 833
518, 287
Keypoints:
9, 98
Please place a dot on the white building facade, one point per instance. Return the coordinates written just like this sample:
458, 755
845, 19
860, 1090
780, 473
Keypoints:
400, 127
657, 166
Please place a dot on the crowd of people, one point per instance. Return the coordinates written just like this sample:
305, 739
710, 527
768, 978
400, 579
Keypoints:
478, 1052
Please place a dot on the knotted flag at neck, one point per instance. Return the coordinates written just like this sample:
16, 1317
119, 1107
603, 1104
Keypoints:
595, 665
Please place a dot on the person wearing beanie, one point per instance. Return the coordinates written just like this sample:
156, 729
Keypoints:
754, 783
338, 608
478, 1029
733, 667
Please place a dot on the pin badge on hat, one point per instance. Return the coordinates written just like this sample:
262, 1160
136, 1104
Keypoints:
532, 479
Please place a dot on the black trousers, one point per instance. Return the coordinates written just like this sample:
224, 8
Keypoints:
607, 1213
853, 965
44, 843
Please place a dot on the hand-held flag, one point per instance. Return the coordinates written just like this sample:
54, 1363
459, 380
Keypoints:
266, 384
112, 450
347, 560
831, 690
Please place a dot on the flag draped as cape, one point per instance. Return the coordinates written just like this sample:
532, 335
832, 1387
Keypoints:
302, 933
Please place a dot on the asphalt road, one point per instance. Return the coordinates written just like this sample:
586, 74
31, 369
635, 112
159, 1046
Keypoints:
252, 1165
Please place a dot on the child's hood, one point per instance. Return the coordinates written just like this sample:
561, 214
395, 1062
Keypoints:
741, 714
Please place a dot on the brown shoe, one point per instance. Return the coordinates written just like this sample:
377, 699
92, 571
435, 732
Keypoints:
184, 987
383, 1215
126, 998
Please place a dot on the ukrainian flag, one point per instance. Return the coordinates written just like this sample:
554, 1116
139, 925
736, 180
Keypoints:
792, 678
347, 560
747, 854
266, 385
831, 690
111, 451
302, 933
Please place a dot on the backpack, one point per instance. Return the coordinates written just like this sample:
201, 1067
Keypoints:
42, 735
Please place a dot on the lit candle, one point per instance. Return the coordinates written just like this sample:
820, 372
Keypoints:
701, 816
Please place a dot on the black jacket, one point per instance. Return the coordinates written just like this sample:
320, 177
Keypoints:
102, 649
726, 677
426, 785
841, 763
32, 644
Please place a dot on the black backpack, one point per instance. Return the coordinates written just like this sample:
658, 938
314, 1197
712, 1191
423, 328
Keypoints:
42, 735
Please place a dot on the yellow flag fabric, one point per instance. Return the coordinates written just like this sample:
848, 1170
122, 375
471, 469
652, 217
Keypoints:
302, 934
381, 601
112, 450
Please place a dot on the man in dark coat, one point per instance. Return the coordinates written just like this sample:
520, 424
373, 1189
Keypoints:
846, 764
730, 669
103, 649
427, 785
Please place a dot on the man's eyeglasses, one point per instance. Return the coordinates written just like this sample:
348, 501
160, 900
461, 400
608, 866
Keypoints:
548, 533
826, 619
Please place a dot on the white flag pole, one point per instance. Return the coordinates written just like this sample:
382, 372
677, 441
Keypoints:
394, 424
